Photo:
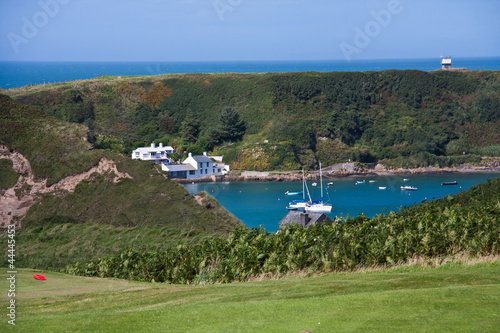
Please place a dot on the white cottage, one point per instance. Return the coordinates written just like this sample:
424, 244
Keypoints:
197, 166
154, 154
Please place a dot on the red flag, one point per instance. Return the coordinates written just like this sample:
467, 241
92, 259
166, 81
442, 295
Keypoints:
39, 277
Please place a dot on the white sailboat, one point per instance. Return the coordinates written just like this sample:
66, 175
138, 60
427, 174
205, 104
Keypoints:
319, 206
300, 204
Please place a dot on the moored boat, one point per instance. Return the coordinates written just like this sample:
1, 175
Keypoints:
293, 193
409, 188
319, 206
299, 204
450, 183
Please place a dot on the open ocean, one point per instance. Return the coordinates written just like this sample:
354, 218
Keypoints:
14, 74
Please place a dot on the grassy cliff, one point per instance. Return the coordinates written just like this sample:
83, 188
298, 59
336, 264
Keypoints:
81, 209
402, 118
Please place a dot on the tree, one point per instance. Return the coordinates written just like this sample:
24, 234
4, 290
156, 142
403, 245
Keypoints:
156, 94
231, 127
190, 129
166, 123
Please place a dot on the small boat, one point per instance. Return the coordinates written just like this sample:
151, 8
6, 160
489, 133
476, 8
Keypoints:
360, 182
450, 183
330, 183
319, 206
406, 180
382, 187
314, 184
293, 193
408, 188
372, 181
299, 204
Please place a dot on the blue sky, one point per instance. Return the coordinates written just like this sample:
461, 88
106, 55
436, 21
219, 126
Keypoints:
227, 30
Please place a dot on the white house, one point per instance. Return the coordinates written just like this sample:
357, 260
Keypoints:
446, 62
218, 164
197, 166
154, 154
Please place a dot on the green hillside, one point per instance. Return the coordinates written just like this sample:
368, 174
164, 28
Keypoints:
131, 206
401, 118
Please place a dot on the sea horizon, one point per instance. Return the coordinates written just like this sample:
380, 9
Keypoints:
15, 74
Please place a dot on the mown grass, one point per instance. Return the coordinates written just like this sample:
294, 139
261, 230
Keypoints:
455, 297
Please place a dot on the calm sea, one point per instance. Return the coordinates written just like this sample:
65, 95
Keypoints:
17, 74
265, 204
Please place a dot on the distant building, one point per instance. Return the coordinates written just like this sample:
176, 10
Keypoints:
303, 219
154, 154
445, 62
197, 166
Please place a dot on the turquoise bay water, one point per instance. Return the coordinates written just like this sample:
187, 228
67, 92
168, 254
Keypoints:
265, 204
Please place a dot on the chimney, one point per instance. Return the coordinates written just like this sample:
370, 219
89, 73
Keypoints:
204, 153
190, 155
152, 145
304, 219
161, 145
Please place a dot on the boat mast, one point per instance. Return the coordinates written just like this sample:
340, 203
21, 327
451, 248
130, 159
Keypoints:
307, 188
303, 186
321, 181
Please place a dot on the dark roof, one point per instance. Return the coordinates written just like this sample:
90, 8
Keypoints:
305, 219
201, 158
179, 167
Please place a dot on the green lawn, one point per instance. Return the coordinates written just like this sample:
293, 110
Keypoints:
450, 298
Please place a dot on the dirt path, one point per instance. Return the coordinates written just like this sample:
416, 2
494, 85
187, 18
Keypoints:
14, 208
